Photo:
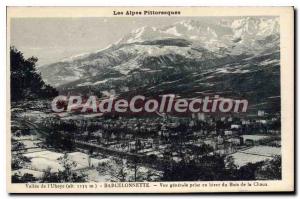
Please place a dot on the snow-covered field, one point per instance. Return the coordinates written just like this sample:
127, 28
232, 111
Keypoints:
30, 143
241, 159
254, 137
43, 164
264, 150
255, 154
44, 160
25, 137
82, 160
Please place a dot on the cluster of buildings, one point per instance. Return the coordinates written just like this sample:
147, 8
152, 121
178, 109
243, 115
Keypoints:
181, 138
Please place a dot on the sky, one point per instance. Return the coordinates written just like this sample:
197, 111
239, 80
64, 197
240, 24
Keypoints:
53, 39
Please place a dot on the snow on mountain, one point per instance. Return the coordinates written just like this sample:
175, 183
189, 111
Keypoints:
239, 33
144, 33
74, 57
190, 30
255, 34
149, 49
255, 27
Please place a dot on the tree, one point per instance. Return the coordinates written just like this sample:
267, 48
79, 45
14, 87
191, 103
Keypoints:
26, 82
16, 178
205, 168
248, 171
18, 160
60, 140
231, 168
121, 170
116, 169
66, 175
271, 170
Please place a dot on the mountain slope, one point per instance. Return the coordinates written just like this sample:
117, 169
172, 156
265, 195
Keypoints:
190, 58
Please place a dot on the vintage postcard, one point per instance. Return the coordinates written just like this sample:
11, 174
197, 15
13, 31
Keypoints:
150, 99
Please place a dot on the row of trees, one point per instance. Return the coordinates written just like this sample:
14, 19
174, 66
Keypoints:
218, 168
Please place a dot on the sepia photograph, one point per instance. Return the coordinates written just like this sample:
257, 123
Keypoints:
150, 99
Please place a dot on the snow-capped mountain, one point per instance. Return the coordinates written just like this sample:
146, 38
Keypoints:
255, 34
225, 34
207, 35
250, 27
189, 57
125, 59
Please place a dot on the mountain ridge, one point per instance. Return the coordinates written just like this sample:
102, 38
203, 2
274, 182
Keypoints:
242, 51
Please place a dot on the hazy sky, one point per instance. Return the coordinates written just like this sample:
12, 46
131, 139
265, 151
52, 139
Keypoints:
52, 39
